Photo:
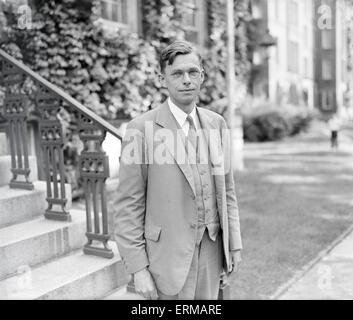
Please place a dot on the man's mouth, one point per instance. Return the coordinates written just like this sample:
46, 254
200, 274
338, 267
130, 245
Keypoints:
187, 90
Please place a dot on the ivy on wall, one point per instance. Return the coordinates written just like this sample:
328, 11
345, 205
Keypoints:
161, 21
117, 74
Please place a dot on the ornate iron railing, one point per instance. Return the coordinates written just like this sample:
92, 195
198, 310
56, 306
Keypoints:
93, 162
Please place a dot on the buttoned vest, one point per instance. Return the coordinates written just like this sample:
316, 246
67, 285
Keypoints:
206, 203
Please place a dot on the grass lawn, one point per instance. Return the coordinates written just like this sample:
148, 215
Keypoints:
295, 198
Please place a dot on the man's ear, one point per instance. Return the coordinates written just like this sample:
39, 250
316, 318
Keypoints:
202, 76
161, 78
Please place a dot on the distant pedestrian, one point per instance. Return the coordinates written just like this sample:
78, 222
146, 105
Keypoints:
334, 124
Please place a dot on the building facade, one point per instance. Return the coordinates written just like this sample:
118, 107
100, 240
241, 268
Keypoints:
128, 14
309, 63
350, 56
331, 51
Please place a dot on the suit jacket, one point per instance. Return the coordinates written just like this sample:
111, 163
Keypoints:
155, 223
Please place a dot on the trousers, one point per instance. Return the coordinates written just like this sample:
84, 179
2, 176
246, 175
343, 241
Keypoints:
203, 279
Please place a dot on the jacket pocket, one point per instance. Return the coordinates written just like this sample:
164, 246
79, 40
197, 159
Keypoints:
152, 232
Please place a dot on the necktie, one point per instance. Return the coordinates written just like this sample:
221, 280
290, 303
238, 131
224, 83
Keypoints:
192, 137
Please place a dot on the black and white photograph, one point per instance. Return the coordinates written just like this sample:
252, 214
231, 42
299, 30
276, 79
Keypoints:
195, 150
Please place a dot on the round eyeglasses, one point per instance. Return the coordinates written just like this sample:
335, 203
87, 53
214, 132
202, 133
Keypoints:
193, 74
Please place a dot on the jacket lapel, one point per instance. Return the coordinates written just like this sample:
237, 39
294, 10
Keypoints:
165, 119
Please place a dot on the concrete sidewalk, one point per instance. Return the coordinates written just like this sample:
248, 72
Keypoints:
330, 274
329, 277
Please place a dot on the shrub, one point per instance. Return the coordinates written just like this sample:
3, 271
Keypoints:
251, 130
300, 122
270, 124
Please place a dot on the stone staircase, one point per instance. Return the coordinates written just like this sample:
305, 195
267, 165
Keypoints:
43, 259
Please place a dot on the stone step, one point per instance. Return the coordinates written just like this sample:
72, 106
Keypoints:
18, 205
34, 242
4, 150
76, 276
5, 169
122, 294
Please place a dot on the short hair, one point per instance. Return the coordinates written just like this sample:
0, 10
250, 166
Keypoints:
176, 48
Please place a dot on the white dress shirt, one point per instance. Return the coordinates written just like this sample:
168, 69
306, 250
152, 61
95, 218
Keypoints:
180, 116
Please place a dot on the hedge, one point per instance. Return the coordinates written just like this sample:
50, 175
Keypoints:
270, 124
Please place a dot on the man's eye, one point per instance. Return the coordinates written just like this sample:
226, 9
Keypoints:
194, 73
177, 74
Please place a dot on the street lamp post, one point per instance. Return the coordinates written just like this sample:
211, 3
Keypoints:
233, 118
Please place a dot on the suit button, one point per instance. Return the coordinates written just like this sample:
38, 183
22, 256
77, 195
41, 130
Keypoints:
193, 197
193, 225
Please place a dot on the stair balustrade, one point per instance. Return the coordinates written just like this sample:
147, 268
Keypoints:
93, 161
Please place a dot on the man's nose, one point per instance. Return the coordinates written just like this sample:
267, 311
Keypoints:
186, 78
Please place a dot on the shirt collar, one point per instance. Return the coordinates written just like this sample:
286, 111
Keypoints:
180, 115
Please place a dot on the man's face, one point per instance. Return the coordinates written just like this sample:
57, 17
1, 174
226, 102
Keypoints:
183, 79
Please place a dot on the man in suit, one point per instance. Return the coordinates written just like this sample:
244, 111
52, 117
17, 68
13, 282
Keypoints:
176, 222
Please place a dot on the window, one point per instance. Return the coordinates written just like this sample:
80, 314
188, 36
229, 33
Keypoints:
193, 19
308, 8
327, 100
116, 14
189, 17
189, 20
293, 96
276, 10
326, 39
256, 10
344, 70
326, 69
292, 13
306, 67
115, 10
293, 60
306, 36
